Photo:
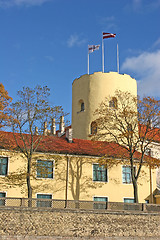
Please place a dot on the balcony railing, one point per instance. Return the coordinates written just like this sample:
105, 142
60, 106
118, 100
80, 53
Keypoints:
71, 204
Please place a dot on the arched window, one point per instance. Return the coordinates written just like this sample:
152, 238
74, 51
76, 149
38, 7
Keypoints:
113, 102
93, 128
82, 107
129, 128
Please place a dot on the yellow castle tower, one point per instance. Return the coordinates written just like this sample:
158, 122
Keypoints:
88, 91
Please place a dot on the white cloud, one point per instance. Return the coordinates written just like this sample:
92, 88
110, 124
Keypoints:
142, 6
108, 22
157, 43
75, 40
155, 4
50, 58
146, 68
137, 4
11, 3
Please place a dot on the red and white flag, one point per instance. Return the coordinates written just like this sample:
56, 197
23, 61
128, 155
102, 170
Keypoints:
108, 35
92, 48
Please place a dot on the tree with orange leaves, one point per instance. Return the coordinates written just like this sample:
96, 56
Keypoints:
29, 115
134, 124
5, 100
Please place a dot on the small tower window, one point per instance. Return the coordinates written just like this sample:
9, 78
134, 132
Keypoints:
113, 103
129, 128
93, 128
82, 107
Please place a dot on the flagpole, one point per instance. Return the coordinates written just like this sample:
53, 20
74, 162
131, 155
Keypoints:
117, 59
102, 54
88, 61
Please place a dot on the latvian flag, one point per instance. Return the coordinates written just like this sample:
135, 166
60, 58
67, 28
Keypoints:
92, 48
108, 35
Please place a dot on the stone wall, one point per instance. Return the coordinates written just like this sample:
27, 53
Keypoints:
78, 223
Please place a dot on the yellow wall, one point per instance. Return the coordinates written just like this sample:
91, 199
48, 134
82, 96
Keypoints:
157, 199
93, 89
80, 186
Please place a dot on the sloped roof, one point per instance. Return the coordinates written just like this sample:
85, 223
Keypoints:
156, 192
54, 144
152, 133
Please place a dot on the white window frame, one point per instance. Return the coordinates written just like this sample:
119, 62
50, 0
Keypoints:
7, 166
5, 196
3, 192
128, 198
40, 199
100, 197
122, 174
53, 169
44, 194
100, 181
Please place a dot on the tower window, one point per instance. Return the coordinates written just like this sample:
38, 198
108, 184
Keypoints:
113, 102
82, 107
93, 128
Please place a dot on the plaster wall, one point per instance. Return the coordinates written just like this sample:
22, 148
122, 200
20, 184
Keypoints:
92, 90
80, 179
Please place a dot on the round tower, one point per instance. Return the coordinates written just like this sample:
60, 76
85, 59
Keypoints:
88, 91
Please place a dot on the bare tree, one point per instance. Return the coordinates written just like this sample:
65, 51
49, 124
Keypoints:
28, 118
132, 123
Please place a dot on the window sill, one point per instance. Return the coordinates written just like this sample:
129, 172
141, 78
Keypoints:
41, 178
92, 135
100, 181
80, 112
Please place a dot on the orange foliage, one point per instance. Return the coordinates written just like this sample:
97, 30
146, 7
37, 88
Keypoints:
4, 104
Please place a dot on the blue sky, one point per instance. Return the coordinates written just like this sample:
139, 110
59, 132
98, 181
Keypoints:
45, 42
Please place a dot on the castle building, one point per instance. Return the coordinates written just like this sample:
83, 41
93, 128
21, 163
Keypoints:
67, 167
63, 168
88, 91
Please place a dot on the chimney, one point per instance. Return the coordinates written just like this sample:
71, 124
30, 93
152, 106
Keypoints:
45, 129
36, 131
53, 127
69, 135
61, 124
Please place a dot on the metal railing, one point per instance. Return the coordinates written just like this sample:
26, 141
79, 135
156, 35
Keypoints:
72, 204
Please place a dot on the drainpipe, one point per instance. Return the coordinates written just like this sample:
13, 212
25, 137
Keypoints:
67, 177
151, 191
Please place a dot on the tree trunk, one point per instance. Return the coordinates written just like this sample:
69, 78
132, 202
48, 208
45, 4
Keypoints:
29, 186
135, 189
29, 181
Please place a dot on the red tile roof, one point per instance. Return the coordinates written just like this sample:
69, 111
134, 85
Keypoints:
152, 133
54, 144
